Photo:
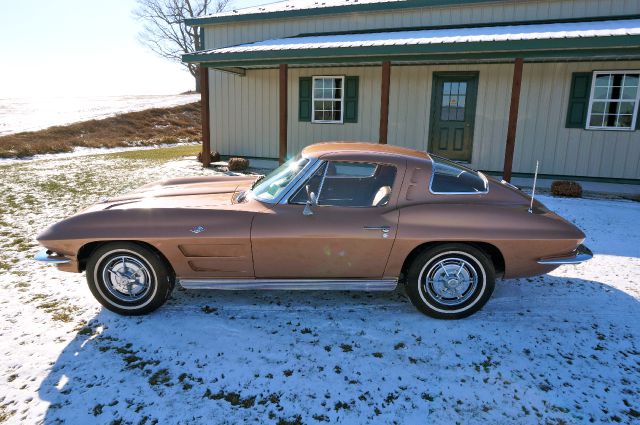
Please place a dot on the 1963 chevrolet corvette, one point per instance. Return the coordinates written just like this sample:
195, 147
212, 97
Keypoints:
346, 216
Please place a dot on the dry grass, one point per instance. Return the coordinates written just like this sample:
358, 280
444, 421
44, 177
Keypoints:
148, 127
566, 188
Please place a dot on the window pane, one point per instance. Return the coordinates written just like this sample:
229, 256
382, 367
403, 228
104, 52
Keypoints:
629, 92
598, 107
596, 120
357, 185
460, 114
631, 80
449, 177
463, 88
626, 108
447, 88
617, 80
624, 121
601, 93
603, 80
610, 120
352, 169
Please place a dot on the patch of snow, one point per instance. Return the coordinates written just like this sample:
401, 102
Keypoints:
30, 114
563, 347
79, 151
282, 6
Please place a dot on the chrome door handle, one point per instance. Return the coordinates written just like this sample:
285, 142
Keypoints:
384, 229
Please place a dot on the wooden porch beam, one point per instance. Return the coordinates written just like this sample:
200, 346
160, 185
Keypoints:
284, 80
513, 119
384, 102
205, 116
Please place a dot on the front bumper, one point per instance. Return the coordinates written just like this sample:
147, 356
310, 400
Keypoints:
49, 257
580, 255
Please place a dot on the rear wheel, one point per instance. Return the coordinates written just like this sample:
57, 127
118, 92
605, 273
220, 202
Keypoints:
128, 278
450, 281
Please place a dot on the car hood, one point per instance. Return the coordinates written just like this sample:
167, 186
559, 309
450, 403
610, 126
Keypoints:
192, 192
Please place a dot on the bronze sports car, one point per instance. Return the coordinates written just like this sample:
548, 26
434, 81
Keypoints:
345, 216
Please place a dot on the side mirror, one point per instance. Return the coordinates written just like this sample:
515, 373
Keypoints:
311, 201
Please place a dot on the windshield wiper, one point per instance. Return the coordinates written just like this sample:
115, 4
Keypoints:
255, 183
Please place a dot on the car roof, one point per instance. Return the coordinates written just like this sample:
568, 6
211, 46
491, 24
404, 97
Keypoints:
319, 149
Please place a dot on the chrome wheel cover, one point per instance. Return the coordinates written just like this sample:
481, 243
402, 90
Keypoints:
127, 278
451, 281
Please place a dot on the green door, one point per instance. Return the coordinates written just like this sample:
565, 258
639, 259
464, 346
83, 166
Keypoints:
453, 111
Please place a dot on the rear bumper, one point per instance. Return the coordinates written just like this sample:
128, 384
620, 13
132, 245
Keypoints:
580, 255
46, 256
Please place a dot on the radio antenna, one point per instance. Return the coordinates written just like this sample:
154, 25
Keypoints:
533, 192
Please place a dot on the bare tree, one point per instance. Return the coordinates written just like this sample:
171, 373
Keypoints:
164, 29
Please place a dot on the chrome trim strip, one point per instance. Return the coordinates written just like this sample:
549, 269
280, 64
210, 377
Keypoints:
46, 256
292, 284
581, 255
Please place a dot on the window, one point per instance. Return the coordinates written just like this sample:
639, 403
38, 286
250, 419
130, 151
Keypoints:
328, 99
454, 101
269, 187
613, 104
349, 184
452, 178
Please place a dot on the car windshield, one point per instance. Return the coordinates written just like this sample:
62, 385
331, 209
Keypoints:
270, 186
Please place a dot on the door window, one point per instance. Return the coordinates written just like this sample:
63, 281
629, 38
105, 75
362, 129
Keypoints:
350, 184
454, 100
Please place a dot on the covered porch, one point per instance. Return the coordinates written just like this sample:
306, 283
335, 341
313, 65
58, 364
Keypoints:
451, 55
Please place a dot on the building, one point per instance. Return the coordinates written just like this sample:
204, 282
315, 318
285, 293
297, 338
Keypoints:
496, 84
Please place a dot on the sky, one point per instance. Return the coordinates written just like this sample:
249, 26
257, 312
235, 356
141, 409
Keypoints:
82, 48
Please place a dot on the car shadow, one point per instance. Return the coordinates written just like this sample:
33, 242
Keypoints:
226, 357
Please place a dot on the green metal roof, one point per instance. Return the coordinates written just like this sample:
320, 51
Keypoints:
297, 8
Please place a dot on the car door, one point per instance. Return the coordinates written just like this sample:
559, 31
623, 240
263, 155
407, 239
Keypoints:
350, 232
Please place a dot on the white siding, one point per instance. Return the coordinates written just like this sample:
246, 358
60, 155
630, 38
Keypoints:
542, 134
244, 117
506, 11
410, 108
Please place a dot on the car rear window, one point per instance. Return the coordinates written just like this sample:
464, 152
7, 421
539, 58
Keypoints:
450, 177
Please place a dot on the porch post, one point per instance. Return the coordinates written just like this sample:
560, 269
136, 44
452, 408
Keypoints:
513, 119
384, 102
205, 117
282, 146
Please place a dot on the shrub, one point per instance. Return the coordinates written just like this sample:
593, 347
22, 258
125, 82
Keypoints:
215, 156
238, 164
566, 188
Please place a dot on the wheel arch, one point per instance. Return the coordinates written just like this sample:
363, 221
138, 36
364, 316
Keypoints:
494, 254
85, 252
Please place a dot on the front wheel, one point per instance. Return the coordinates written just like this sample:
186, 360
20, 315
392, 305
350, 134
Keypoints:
128, 278
450, 281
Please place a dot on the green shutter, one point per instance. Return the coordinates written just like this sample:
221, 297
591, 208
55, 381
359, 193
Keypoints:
351, 99
304, 102
579, 100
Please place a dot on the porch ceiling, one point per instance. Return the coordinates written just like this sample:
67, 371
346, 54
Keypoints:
602, 39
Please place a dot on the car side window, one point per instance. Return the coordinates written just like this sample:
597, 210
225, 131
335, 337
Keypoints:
450, 177
300, 197
356, 184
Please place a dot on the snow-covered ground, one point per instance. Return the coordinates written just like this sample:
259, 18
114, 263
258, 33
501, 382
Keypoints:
28, 114
561, 348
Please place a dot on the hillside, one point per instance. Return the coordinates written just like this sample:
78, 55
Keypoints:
148, 127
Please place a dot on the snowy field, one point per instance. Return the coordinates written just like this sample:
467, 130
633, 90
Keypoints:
559, 349
29, 114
